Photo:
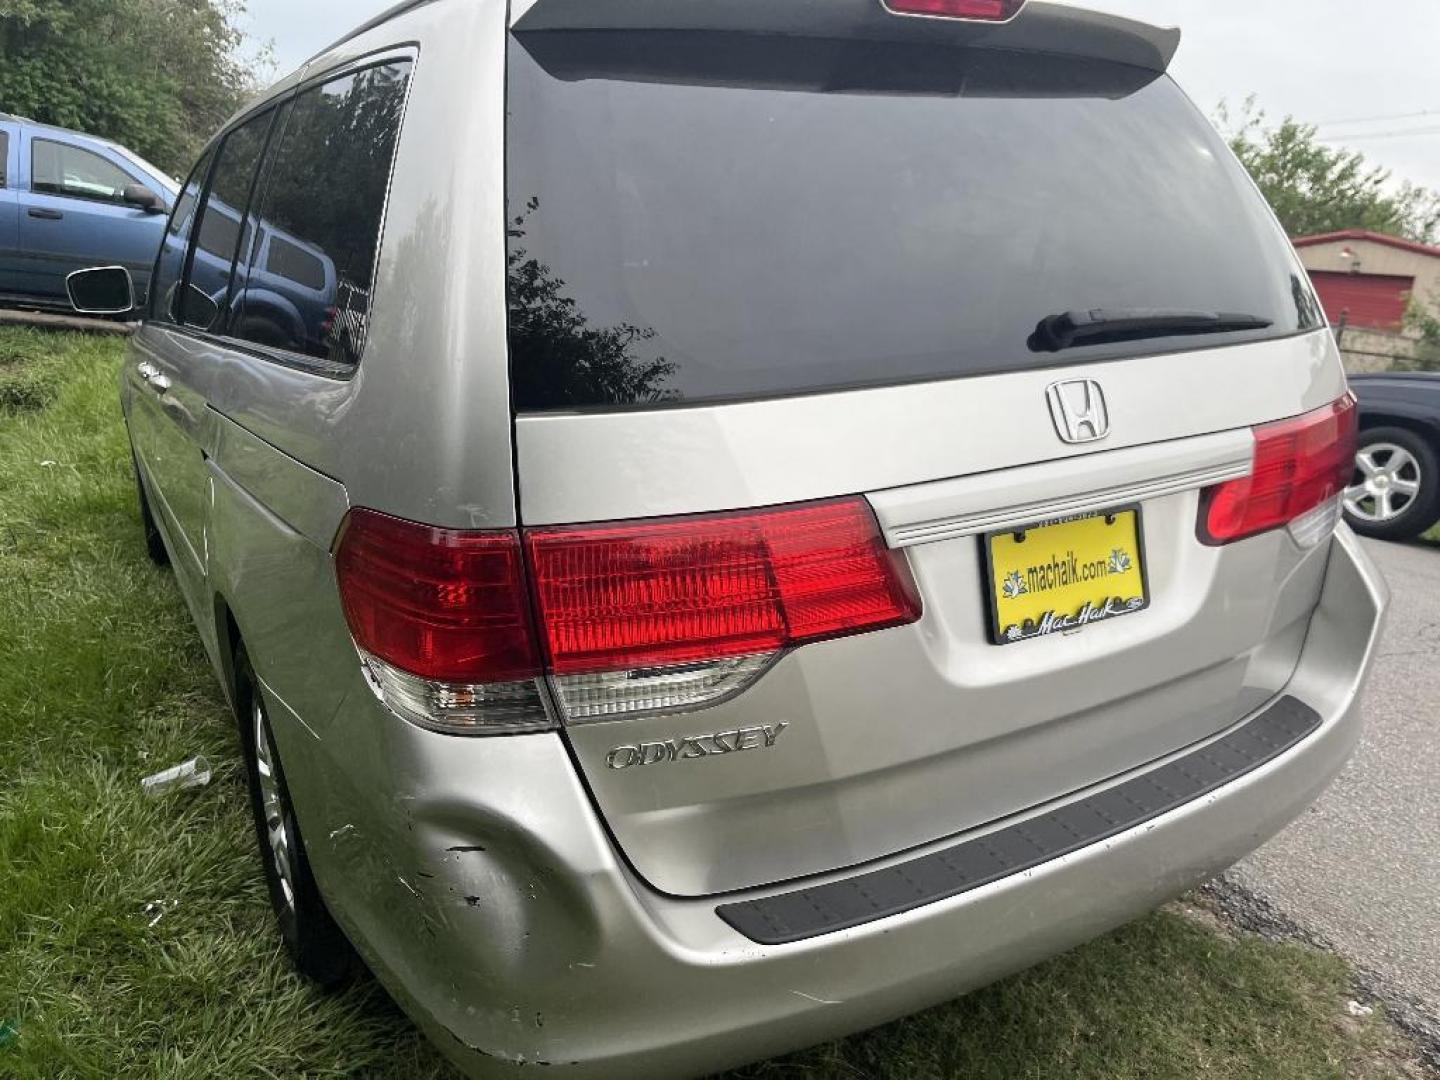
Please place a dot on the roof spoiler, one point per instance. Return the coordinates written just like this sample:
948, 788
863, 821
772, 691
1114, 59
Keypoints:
1044, 26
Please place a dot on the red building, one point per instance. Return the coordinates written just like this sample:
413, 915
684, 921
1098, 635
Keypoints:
1367, 279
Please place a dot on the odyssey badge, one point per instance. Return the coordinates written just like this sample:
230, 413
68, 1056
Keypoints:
695, 746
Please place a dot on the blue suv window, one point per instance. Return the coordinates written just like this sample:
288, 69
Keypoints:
60, 169
307, 287
295, 263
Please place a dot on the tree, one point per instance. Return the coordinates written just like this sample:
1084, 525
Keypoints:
1318, 189
557, 356
157, 76
1423, 326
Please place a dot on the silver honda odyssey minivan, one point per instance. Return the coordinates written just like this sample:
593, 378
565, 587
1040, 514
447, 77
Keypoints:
728, 522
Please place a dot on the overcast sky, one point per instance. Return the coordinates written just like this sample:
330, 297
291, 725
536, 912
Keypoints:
1325, 61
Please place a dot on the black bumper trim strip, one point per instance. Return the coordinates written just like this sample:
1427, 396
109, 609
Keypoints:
877, 894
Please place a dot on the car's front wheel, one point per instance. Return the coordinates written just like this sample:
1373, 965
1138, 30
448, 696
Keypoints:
1395, 493
316, 944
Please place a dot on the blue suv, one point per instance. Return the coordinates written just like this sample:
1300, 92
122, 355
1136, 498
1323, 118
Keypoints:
69, 201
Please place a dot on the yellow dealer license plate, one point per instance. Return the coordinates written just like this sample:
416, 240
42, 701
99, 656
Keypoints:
1066, 574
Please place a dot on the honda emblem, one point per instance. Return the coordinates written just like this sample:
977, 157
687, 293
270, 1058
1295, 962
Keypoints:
1078, 408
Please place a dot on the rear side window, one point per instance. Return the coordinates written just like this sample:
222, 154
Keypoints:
322, 210
170, 266
4, 158
699, 217
61, 169
221, 213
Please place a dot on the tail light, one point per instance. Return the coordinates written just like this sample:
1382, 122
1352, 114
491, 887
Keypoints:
975, 10
632, 618
443, 620
671, 614
1301, 468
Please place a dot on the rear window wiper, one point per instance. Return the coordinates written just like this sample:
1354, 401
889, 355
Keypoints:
1070, 329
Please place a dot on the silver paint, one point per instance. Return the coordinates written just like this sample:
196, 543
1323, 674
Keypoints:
598, 467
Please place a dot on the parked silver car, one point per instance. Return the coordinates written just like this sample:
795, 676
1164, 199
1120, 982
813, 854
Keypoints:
913, 405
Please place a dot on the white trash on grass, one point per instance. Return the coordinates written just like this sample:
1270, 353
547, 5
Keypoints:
188, 774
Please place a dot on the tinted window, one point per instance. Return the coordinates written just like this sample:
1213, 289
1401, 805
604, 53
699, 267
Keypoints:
708, 216
219, 232
58, 169
170, 267
225, 203
324, 198
4, 156
295, 264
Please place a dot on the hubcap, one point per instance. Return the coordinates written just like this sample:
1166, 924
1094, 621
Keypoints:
272, 804
1387, 480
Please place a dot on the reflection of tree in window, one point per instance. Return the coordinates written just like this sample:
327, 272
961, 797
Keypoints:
326, 190
556, 355
1306, 308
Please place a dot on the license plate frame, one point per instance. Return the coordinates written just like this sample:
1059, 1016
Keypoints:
1001, 626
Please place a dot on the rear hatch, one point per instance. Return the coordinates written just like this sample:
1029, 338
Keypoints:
754, 269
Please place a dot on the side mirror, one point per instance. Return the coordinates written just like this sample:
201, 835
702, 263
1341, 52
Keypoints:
104, 290
198, 308
140, 196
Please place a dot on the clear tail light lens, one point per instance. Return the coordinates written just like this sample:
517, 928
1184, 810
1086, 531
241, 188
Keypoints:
1301, 467
663, 615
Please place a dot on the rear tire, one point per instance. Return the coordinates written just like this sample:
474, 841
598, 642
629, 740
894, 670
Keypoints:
1395, 493
316, 944
154, 542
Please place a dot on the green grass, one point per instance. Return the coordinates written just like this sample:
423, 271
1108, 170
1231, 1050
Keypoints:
102, 681
33, 365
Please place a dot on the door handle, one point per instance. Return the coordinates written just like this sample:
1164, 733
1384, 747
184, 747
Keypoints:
46, 215
146, 370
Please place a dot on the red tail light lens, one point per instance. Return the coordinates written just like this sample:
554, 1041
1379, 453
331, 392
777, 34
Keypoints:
1299, 464
634, 618
980, 10
664, 593
438, 603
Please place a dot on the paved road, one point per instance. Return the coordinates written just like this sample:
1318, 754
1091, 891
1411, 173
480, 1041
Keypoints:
1361, 870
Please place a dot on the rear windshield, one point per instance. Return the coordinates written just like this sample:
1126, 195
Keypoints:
707, 217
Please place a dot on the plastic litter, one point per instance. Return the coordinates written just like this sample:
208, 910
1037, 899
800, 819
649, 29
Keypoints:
157, 910
1356, 1009
188, 774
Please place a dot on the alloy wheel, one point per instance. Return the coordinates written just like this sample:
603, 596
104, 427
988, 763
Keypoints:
273, 803
1387, 482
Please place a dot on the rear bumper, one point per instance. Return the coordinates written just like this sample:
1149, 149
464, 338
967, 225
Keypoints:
492, 904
